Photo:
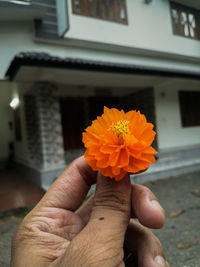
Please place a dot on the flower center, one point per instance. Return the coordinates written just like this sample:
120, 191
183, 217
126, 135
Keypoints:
120, 128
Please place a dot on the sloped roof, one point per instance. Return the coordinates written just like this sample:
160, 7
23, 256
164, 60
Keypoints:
40, 60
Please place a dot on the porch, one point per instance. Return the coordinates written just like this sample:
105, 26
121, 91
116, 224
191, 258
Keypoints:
60, 97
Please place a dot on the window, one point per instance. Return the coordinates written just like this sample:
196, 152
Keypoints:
110, 10
185, 21
190, 108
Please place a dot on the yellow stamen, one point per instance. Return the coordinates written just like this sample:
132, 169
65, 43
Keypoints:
120, 128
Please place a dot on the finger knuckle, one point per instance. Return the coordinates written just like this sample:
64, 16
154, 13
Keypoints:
112, 200
81, 252
142, 191
156, 244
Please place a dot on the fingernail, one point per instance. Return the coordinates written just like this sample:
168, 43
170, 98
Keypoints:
160, 260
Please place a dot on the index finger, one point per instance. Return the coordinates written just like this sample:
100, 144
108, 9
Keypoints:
71, 187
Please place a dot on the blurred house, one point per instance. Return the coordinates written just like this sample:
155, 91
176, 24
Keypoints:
62, 61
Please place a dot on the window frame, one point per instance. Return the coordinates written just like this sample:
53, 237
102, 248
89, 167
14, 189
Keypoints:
186, 9
185, 108
88, 13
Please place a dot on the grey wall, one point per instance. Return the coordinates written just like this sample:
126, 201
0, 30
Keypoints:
48, 27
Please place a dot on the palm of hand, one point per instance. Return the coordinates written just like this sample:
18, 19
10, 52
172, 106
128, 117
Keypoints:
53, 229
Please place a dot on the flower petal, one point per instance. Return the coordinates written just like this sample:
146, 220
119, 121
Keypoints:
149, 150
102, 163
108, 149
107, 172
130, 140
148, 157
113, 158
90, 139
123, 158
136, 165
148, 134
116, 171
120, 176
91, 161
112, 115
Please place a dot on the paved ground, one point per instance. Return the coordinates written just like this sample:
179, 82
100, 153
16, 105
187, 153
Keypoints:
9, 222
16, 191
179, 196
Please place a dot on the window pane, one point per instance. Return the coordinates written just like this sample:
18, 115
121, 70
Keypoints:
175, 16
77, 6
192, 24
110, 10
184, 20
190, 108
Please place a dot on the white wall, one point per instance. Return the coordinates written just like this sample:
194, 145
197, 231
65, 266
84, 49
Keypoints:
5, 117
19, 37
21, 147
171, 134
149, 27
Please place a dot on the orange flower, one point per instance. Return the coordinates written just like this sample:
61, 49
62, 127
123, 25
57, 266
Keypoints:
119, 143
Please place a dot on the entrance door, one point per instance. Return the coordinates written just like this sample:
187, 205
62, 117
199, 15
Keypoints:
73, 122
77, 113
96, 105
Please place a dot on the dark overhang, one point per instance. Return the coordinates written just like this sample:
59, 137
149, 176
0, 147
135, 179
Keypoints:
20, 11
39, 60
190, 3
15, 3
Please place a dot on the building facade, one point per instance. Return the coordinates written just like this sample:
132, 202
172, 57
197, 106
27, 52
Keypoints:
62, 61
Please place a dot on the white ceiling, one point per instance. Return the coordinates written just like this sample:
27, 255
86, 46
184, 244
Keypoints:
85, 82
75, 78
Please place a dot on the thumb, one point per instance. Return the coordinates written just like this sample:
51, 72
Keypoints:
101, 241
111, 208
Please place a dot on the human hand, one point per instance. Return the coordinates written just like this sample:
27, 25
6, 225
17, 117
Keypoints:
56, 234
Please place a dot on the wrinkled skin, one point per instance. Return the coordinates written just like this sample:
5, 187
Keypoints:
62, 231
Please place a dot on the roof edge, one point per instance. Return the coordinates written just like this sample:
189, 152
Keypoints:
34, 59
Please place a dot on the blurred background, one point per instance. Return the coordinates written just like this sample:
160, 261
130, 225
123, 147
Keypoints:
61, 62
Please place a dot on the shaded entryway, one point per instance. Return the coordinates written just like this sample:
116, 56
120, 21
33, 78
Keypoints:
78, 112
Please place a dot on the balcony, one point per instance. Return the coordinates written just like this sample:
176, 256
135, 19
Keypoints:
19, 10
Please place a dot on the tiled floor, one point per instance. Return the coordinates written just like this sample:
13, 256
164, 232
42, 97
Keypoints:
16, 191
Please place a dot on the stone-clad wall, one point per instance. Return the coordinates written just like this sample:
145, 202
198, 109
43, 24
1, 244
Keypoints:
43, 126
32, 129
